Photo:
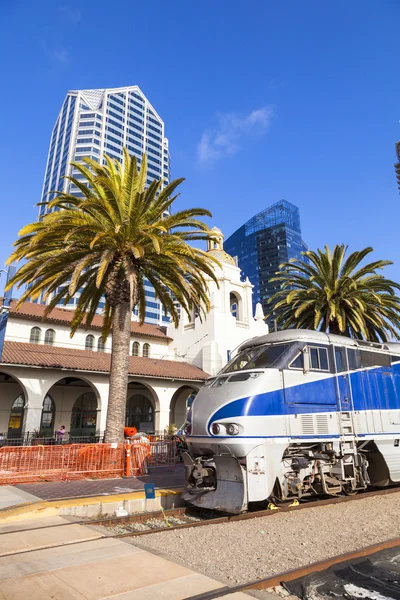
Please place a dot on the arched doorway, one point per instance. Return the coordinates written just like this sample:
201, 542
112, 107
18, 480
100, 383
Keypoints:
16, 420
180, 404
140, 408
48, 417
84, 416
13, 408
75, 406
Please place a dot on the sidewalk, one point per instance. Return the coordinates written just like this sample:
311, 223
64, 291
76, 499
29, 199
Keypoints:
11, 496
75, 563
90, 497
162, 477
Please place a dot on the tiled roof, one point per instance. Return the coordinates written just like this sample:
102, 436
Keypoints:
64, 316
37, 355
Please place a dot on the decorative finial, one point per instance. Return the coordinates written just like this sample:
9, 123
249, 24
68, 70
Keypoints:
259, 316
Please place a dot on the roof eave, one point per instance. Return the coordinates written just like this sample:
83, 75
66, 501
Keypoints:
96, 372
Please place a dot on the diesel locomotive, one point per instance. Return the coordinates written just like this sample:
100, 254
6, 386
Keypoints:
295, 413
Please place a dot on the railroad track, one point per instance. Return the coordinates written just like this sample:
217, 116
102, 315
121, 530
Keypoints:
360, 564
375, 582
160, 521
166, 518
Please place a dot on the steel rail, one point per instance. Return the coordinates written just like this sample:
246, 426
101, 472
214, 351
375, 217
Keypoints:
241, 517
286, 576
163, 515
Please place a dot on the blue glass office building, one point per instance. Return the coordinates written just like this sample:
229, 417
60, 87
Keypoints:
97, 122
268, 239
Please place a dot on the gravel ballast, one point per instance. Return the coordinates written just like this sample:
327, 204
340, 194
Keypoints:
243, 551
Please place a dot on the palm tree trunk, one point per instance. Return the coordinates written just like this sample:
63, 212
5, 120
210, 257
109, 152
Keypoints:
334, 328
121, 335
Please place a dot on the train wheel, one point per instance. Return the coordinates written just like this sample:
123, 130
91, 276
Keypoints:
349, 491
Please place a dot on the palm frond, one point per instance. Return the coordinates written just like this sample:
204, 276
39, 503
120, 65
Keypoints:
116, 236
334, 293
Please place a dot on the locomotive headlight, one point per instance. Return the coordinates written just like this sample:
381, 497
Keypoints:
215, 428
232, 429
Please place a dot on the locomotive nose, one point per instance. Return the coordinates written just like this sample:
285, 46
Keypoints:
218, 482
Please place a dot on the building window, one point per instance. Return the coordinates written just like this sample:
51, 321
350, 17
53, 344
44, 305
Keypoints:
36, 334
101, 347
17, 417
89, 342
49, 337
84, 416
139, 413
47, 420
146, 350
234, 305
234, 309
135, 349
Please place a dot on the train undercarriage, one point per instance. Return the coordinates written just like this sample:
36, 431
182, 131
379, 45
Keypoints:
320, 470
229, 483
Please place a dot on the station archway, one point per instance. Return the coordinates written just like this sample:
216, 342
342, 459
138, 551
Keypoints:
180, 403
75, 404
13, 405
142, 408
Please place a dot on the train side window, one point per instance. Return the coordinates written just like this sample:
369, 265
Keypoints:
340, 359
353, 357
395, 359
319, 359
323, 359
374, 359
298, 362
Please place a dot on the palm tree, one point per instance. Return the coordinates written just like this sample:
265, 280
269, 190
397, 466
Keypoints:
335, 294
106, 244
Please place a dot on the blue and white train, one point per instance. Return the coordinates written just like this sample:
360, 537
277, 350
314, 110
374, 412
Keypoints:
295, 413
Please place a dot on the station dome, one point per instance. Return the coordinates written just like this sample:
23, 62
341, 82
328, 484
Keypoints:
216, 248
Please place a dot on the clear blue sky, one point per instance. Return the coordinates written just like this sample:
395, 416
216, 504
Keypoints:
262, 100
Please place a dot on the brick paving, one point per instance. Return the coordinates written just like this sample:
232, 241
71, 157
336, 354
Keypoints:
162, 477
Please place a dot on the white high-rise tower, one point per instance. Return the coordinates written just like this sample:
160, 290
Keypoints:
93, 123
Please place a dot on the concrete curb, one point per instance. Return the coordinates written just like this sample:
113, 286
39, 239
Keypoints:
95, 506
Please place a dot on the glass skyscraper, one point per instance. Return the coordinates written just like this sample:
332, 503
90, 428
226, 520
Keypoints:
397, 165
92, 123
268, 239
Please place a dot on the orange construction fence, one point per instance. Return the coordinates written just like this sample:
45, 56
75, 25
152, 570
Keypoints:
137, 455
144, 453
29, 464
162, 453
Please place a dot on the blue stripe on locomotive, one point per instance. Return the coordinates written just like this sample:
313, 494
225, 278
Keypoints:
372, 389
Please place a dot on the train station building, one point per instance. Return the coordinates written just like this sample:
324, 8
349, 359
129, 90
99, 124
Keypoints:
48, 379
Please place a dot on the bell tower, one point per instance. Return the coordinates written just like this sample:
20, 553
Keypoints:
217, 243
209, 343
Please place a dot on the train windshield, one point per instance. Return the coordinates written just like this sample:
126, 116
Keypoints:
262, 357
